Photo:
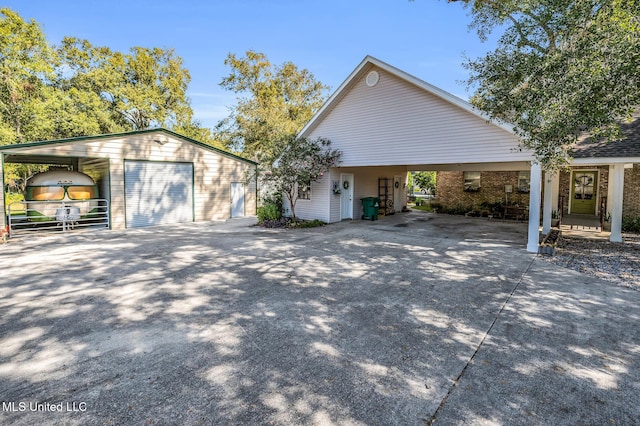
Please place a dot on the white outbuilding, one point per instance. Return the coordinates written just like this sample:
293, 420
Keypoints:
148, 177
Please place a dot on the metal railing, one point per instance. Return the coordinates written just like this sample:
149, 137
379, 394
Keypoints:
57, 216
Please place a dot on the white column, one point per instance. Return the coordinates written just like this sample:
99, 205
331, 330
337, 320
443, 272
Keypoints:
617, 180
555, 192
546, 205
610, 190
534, 208
3, 217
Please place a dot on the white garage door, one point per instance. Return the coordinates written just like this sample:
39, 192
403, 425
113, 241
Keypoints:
158, 193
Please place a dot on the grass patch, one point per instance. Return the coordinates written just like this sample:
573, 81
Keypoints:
424, 208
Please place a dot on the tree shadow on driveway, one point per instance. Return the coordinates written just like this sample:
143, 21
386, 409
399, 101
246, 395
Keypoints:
348, 324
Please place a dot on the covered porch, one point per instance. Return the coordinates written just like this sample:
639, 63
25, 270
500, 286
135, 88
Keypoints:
588, 196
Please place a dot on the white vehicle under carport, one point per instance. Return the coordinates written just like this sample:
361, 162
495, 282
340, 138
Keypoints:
59, 199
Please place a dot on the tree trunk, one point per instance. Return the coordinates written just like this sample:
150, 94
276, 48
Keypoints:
292, 204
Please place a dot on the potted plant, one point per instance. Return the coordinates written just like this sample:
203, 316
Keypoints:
606, 226
555, 220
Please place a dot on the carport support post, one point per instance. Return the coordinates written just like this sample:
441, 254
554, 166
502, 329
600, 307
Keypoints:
616, 207
3, 208
547, 203
534, 208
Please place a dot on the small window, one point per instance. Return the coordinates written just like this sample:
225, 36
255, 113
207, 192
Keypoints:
472, 181
304, 191
524, 180
81, 192
47, 193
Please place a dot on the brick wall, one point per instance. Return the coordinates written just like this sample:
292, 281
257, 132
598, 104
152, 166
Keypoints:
450, 190
631, 200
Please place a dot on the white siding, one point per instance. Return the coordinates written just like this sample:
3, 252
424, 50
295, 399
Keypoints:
365, 184
318, 206
398, 123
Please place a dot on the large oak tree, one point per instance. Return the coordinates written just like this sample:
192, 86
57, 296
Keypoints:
562, 69
78, 89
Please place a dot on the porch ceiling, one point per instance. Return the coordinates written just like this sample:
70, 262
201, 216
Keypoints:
39, 159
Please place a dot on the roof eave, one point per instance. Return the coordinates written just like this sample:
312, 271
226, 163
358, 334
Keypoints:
120, 135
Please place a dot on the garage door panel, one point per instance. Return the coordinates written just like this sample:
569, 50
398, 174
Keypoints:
158, 193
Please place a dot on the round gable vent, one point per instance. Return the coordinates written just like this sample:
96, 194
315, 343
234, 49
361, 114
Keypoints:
372, 78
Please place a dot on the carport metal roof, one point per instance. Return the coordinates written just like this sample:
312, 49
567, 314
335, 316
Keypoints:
15, 153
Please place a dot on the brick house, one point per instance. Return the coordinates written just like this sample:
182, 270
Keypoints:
580, 188
387, 123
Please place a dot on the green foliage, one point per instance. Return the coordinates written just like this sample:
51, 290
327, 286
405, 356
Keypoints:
425, 180
78, 89
194, 131
307, 224
270, 211
424, 207
300, 162
276, 102
562, 69
410, 183
140, 89
457, 210
631, 224
12, 197
26, 67
496, 208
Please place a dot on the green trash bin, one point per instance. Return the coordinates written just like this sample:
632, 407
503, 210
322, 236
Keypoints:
370, 206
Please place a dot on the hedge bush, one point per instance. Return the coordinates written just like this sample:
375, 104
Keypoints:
269, 212
631, 224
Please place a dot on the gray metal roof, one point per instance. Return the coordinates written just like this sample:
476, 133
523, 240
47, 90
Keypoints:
629, 146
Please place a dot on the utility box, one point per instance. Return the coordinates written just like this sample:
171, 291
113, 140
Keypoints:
370, 206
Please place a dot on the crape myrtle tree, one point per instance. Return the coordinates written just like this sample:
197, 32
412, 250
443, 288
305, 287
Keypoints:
300, 162
563, 69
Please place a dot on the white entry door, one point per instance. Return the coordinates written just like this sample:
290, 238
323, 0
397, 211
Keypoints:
397, 193
346, 196
237, 199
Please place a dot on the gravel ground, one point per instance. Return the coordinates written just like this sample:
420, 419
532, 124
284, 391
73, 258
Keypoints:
618, 263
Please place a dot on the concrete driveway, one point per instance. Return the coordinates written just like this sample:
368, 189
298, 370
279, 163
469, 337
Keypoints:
413, 319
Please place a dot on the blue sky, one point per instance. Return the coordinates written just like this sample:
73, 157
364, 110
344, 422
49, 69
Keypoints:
426, 38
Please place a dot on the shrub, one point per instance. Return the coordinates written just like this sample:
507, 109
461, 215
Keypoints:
307, 224
631, 224
457, 210
269, 212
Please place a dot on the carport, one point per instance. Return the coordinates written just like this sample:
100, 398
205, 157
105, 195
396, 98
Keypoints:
148, 177
387, 122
